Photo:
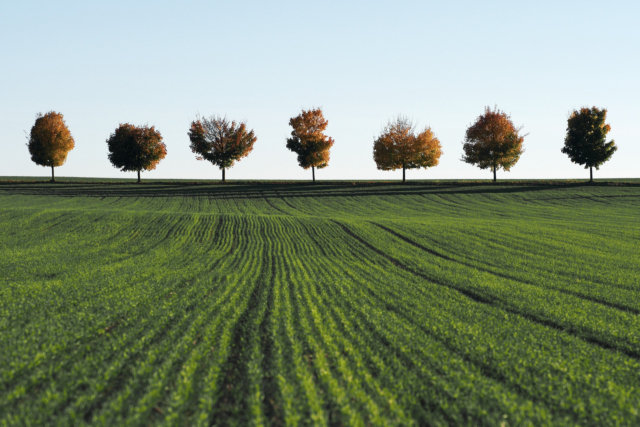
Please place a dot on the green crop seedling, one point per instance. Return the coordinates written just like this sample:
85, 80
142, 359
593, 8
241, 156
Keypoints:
257, 303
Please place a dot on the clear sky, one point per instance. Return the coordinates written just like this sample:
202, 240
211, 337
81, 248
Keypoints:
102, 63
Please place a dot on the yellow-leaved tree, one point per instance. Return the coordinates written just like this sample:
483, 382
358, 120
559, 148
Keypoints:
399, 147
50, 141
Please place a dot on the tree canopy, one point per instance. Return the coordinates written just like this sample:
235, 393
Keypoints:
586, 140
220, 141
398, 147
136, 148
493, 142
50, 141
308, 140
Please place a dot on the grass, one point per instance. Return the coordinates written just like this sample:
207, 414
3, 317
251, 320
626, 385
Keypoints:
433, 303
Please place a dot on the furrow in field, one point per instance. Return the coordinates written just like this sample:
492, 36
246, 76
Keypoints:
575, 270
72, 360
339, 408
182, 403
266, 199
178, 369
542, 240
189, 336
440, 382
594, 323
472, 295
497, 347
350, 360
326, 398
335, 346
313, 406
120, 351
407, 360
596, 296
240, 390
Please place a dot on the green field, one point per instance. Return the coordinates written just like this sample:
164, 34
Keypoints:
176, 303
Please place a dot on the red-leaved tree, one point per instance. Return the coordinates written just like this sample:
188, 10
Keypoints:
220, 141
493, 142
136, 148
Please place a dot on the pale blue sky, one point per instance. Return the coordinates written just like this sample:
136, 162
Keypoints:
160, 63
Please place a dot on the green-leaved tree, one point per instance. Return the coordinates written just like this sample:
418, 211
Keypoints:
586, 141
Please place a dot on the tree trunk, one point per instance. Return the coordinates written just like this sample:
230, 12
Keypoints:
138, 176
313, 172
494, 174
223, 177
403, 174
53, 176
591, 174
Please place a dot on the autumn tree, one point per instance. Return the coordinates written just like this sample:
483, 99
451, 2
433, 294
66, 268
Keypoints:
50, 141
136, 148
220, 141
308, 140
493, 142
398, 147
586, 140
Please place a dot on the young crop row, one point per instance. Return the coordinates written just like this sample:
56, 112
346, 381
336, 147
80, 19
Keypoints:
409, 309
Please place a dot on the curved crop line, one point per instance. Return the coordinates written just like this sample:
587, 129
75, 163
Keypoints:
317, 356
303, 373
290, 205
496, 241
346, 358
505, 276
132, 337
492, 383
322, 363
266, 199
173, 350
474, 296
83, 344
355, 292
385, 370
413, 312
354, 340
498, 303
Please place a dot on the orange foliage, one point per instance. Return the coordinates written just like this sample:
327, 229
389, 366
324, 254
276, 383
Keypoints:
308, 139
50, 140
398, 147
493, 141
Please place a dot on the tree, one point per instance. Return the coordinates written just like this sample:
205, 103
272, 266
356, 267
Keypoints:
136, 148
308, 140
50, 141
399, 147
493, 142
586, 141
221, 142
